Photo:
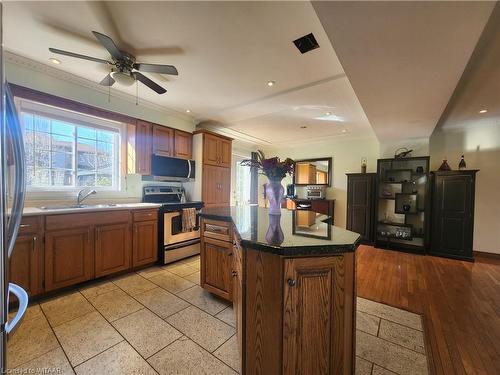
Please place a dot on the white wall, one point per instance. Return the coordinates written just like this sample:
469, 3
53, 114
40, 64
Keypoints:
346, 157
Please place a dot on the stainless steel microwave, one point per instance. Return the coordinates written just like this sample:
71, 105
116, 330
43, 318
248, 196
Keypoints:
315, 192
166, 168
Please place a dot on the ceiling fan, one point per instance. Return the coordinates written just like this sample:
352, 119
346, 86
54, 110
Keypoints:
124, 69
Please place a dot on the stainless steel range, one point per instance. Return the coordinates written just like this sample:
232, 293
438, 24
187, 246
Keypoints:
174, 243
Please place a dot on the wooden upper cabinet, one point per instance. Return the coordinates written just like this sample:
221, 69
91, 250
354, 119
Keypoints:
113, 252
163, 140
69, 257
183, 144
305, 173
143, 147
216, 150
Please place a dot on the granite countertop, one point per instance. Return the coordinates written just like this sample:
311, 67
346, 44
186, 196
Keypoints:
286, 234
33, 211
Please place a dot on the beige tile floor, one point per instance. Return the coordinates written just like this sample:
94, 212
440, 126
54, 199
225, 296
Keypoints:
159, 321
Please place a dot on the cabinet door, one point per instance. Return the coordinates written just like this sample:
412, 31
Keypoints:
112, 249
238, 296
360, 206
69, 257
163, 141
143, 147
216, 267
224, 151
308, 327
224, 180
210, 149
145, 243
183, 144
453, 215
210, 185
25, 268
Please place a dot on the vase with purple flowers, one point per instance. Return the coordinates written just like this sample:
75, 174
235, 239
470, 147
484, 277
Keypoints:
275, 170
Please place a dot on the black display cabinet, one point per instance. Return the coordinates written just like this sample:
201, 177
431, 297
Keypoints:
453, 213
402, 212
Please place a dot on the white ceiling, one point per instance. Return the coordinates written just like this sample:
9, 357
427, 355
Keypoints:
404, 59
225, 53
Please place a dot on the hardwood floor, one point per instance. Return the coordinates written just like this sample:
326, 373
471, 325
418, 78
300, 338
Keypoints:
459, 300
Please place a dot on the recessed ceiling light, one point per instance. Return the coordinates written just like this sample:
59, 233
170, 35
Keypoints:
54, 61
188, 111
270, 83
328, 113
483, 111
344, 130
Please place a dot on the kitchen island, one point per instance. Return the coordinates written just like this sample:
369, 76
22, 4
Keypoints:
291, 279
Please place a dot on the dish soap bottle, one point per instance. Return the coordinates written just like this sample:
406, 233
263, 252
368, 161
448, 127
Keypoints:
462, 165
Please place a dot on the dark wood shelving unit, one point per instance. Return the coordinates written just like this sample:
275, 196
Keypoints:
400, 178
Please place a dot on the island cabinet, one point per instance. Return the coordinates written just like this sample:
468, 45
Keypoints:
216, 258
299, 314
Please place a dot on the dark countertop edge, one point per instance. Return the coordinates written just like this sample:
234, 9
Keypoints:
317, 250
288, 251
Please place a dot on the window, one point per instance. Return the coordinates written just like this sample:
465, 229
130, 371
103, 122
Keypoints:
242, 182
67, 150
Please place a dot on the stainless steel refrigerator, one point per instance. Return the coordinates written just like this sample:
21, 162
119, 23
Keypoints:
12, 193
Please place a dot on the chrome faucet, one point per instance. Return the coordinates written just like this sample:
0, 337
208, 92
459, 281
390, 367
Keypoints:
80, 198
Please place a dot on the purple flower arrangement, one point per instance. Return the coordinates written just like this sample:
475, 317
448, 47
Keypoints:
273, 168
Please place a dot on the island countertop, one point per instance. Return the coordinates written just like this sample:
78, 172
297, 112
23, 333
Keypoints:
293, 233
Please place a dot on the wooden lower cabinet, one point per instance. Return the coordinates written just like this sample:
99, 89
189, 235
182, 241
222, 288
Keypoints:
26, 264
216, 267
112, 249
69, 257
299, 314
145, 243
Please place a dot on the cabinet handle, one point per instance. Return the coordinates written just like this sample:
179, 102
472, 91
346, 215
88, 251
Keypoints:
291, 282
234, 273
24, 226
34, 243
230, 254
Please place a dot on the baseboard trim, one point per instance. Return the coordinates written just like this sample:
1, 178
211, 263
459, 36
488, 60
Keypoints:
486, 254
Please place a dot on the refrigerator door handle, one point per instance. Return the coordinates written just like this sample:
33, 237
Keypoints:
16, 135
22, 296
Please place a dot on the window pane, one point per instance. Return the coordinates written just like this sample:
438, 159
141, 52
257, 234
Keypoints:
86, 145
62, 177
27, 120
63, 128
104, 179
105, 136
42, 177
30, 175
62, 143
86, 179
42, 124
62, 160
42, 141
29, 156
86, 133
42, 159
86, 161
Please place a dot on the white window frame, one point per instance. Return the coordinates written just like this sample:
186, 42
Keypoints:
84, 120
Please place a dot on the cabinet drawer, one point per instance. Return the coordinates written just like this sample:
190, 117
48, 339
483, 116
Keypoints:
219, 230
145, 215
67, 221
30, 224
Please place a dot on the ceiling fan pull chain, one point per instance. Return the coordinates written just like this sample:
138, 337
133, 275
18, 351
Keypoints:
136, 92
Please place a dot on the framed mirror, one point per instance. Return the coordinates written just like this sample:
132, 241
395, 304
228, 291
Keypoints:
313, 172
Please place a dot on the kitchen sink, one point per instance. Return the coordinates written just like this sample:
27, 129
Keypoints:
72, 206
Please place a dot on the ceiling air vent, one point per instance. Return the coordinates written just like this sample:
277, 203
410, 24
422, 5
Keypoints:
306, 43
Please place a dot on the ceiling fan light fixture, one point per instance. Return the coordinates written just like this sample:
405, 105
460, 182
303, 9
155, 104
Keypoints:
123, 78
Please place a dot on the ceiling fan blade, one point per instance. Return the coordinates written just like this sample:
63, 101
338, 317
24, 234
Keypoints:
151, 84
155, 68
77, 55
107, 81
108, 43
